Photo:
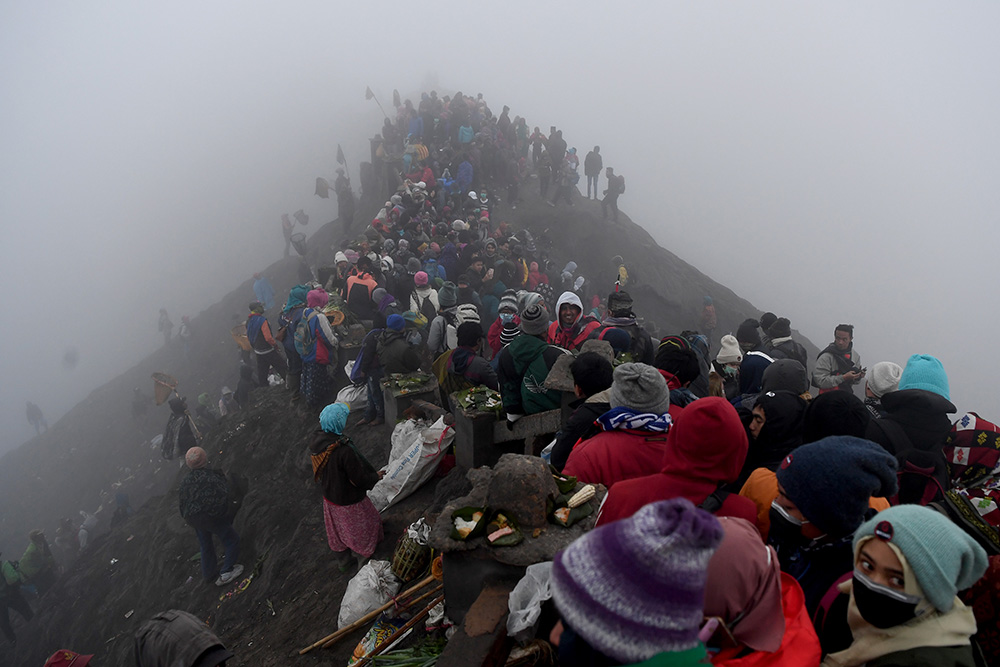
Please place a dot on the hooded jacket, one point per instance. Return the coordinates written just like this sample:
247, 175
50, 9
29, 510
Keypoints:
572, 337
704, 449
922, 414
579, 426
799, 644
395, 354
784, 414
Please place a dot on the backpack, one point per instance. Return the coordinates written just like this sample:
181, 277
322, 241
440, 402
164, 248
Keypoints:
922, 475
466, 312
304, 337
621, 185
972, 451
426, 307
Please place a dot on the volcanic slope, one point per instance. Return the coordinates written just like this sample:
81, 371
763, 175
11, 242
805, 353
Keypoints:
145, 565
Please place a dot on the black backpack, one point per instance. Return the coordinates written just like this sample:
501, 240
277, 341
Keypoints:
922, 475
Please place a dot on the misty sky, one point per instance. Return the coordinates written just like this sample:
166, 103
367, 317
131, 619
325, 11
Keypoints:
829, 162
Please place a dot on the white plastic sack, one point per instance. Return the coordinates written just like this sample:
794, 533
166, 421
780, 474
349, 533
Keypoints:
525, 601
371, 587
354, 395
403, 436
417, 463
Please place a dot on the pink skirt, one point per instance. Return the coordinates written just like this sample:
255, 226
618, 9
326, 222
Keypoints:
357, 527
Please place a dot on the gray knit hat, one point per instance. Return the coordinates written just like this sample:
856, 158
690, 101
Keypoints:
534, 320
641, 388
884, 378
508, 301
785, 375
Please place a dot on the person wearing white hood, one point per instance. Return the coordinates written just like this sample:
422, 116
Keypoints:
571, 327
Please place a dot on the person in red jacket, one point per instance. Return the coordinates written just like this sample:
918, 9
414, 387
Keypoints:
762, 609
506, 314
571, 327
704, 449
633, 440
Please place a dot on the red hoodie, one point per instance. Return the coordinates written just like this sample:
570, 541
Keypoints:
705, 447
799, 644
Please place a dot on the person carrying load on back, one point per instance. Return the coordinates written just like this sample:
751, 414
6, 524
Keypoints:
179, 435
287, 323
317, 344
204, 505
35, 418
264, 346
616, 187
38, 565
353, 525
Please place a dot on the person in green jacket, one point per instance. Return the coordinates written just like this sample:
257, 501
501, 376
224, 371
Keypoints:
524, 364
38, 565
11, 598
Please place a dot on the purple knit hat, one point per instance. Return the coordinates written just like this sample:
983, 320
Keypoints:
636, 587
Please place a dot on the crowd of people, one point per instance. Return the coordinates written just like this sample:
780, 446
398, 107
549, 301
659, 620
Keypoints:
748, 520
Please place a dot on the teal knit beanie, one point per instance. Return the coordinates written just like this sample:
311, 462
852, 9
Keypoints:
943, 557
925, 372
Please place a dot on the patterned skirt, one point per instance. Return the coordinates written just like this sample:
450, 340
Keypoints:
357, 527
316, 385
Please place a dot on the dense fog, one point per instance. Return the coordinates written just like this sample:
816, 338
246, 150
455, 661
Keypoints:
830, 163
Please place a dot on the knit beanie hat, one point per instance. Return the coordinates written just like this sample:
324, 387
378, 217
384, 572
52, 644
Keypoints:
619, 339
195, 458
545, 291
509, 332
679, 342
395, 322
413, 266
256, 307
831, 480
925, 372
835, 413
420, 278
619, 304
534, 320
747, 333
448, 295
378, 294
635, 588
316, 298
766, 320
884, 378
785, 375
339, 257
730, 352
943, 557
639, 387
508, 301
782, 328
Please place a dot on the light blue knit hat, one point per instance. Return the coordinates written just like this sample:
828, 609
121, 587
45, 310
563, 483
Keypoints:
925, 372
943, 557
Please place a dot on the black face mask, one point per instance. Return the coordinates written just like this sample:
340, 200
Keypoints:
882, 606
785, 532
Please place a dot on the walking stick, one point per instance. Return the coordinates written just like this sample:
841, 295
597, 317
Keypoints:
381, 648
408, 605
367, 617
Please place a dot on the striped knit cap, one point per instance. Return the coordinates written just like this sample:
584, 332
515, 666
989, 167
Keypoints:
636, 587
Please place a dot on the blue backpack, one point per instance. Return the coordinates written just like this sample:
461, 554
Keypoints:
368, 349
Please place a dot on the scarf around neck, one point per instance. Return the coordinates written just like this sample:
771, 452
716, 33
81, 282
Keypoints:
627, 419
